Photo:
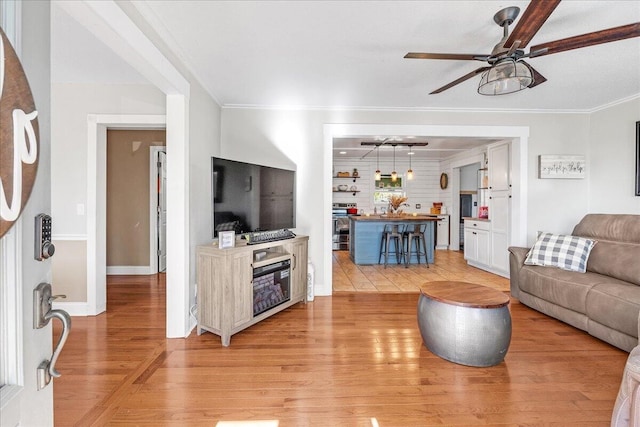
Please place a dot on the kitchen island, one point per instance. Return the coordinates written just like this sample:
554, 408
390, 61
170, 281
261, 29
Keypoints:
366, 232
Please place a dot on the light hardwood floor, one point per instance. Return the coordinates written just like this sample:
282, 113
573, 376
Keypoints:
448, 265
354, 359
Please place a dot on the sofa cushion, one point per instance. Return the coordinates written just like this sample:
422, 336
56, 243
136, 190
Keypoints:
558, 250
615, 304
618, 249
564, 288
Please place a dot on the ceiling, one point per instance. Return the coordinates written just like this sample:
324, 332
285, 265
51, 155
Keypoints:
349, 54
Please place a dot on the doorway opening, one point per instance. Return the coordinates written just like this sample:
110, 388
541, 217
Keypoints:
131, 238
158, 209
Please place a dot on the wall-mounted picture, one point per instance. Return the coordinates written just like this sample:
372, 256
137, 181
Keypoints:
637, 158
562, 167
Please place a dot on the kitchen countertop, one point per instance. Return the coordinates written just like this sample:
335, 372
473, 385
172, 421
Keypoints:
400, 218
476, 219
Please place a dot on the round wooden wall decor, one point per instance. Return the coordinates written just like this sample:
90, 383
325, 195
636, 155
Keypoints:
444, 180
18, 137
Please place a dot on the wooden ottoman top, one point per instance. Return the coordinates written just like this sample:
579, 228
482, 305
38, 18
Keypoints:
464, 294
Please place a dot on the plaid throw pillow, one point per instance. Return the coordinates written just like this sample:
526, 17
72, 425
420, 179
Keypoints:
557, 250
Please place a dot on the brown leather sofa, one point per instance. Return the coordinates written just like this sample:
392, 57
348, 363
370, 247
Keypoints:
604, 301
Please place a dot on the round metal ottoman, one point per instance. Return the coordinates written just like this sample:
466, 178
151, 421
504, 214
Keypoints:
465, 323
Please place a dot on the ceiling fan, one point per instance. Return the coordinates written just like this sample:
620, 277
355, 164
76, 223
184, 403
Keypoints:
507, 72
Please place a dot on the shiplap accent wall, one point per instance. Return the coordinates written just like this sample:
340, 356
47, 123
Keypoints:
424, 189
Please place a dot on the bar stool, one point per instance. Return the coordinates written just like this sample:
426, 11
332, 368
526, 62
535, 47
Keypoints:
391, 233
414, 233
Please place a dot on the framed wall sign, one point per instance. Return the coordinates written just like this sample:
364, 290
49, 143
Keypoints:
18, 137
562, 167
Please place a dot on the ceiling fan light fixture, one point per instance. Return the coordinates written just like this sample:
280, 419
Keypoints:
506, 76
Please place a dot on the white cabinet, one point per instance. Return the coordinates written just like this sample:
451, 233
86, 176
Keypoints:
500, 203
499, 206
442, 232
476, 242
499, 170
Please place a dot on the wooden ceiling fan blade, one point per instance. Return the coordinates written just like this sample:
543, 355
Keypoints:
454, 56
460, 80
589, 39
532, 19
537, 77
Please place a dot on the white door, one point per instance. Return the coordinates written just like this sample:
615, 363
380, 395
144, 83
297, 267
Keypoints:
162, 211
23, 348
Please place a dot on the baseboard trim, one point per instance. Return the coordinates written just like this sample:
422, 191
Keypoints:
133, 270
73, 308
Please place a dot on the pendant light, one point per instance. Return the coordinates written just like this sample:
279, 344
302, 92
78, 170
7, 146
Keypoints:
394, 174
378, 174
410, 171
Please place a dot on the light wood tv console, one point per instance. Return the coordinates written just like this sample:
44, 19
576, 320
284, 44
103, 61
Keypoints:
225, 283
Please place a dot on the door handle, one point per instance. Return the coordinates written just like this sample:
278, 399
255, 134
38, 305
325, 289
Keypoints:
43, 312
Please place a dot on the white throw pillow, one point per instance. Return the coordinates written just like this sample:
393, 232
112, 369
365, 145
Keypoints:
562, 251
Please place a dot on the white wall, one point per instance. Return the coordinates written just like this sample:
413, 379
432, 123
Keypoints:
611, 166
204, 142
279, 137
71, 103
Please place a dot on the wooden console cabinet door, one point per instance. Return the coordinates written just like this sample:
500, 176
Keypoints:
242, 286
298, 251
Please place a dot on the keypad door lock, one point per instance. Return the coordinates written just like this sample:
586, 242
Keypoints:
44, 249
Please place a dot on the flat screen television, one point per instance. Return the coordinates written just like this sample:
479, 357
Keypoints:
250, 197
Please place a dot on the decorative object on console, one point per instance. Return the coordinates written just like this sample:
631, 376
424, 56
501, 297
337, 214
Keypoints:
567, 167
565, 252
226, 239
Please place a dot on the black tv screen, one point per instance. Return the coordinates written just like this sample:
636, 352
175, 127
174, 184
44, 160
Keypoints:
250, 197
